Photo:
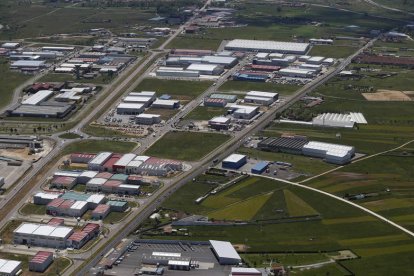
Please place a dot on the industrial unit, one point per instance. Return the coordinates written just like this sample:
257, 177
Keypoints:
339, 120
208, 102
130, 108
206, 69
290, 145
296, 72
245, 112
148, 119
262, 98
267, 46
234, 161
96, 164
169, 104
41, 261
260, 167
331, 153
227, 97
10, 267
225, 252
219, 123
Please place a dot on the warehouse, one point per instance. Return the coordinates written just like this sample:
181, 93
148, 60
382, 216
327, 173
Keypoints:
148, 119
74, 174
290, 145
121, 164
206, 69
30, 64
169, 104
320, 41
63, 182
101, 211
331, 153
244, 111
133, 166
10, 45
225, 253
58, 48
181, 61
41, 261
260, 167
296, 73
85, 176
79, 238
208, 102
226, 62
109, 164
105, 175
77, 209
44, 198
177, 73
135, 180
111, 186
144, 94
10, 267
227, 97
38, 97
42, 235
95, 184
261, 94
120, 177
95, 200
315, 67
339, 120
118, 206
82, 158
316, 60
129, 109
265, 68
246, 271
56, 222
234, 161
99, 160
126, 189
146, 101
45, 111
267, 46
219, 123
258, 100
245, 76
159, 167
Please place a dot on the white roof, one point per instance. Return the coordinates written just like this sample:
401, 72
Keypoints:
63, 69
66, 173
61, 232
262, 55
47, 195
266, 45
262, 94
90, 174
43, 230
201, 67
245, 270
127, 186
234, 158
134, 164
96, 198
125, 159
224, 249
58, 48
276, 55
135, 99
28, 63
101, 158
243, 108
220, 120
131, 105
149, 116
167, 254
9, 266
295, 70
218, 59
312, 66
165, 102
38, 97
79, 205
330, 149
178, 262
316, 59
97, 181
142, 158
10, 44
358, 117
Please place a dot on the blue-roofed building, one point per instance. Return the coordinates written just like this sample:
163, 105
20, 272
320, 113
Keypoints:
260, 167
250, 77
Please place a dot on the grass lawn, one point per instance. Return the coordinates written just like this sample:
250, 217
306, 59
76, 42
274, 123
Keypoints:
188, 146
69, 135
33, 209
14, 79
94, 146
178, 89
115, 217
201, 113
163, 112
80, 188
245, 86
332, 51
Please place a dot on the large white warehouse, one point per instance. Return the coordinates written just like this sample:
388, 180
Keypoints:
225, 252
331, 153
267, 46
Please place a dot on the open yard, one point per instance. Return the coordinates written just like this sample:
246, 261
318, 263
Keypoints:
189, 146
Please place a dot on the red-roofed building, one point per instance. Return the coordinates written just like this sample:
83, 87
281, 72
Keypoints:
78, 239
215, 102
56, 222
110, 186
63, 182
53, 206
92, 229
267, 68
105, 175
109, 165
41, 261
82, 158
101, 211
134, 179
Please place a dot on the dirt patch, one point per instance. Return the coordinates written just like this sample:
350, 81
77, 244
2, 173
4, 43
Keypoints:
387, 95
241, 247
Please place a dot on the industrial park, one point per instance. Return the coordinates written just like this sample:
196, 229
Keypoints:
206, 137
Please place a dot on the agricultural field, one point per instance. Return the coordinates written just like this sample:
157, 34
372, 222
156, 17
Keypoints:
184, 91
337, 226
189, 146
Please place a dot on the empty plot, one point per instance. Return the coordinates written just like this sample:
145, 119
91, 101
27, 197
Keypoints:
386, 95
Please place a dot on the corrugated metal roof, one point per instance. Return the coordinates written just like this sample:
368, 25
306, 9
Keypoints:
224, 249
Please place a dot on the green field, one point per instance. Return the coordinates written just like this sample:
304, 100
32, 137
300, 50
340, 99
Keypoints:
244, 86
189, 146
205, 113
14, 79
95, 146
332, 51
183, 90
33, 209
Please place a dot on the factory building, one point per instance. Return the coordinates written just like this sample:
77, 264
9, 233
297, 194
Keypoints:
250, 76
219, 123
331, 153
79, 238
208, 102
262, 98
315, 67
85, 176
177, 73
41, 261
28, 65
148, 119
316, 60
320, 41
96, 164
63, 182
118, 206
120, 165
260, 167
144, 94
101, 211
42, 235
226, 62
58, 49
56, 222
169, 104
206, 69
159, 167
227, 97
38, 97
44, 198
225, 253
245, 112
339, 120
267, 46
290, 145
109, 164
10, 45
296, 73
134, 167
234, 161
74, 174
44, 110
130, 108
146, 101
10, 267
95, 184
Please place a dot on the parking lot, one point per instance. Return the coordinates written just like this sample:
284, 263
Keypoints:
201, 254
